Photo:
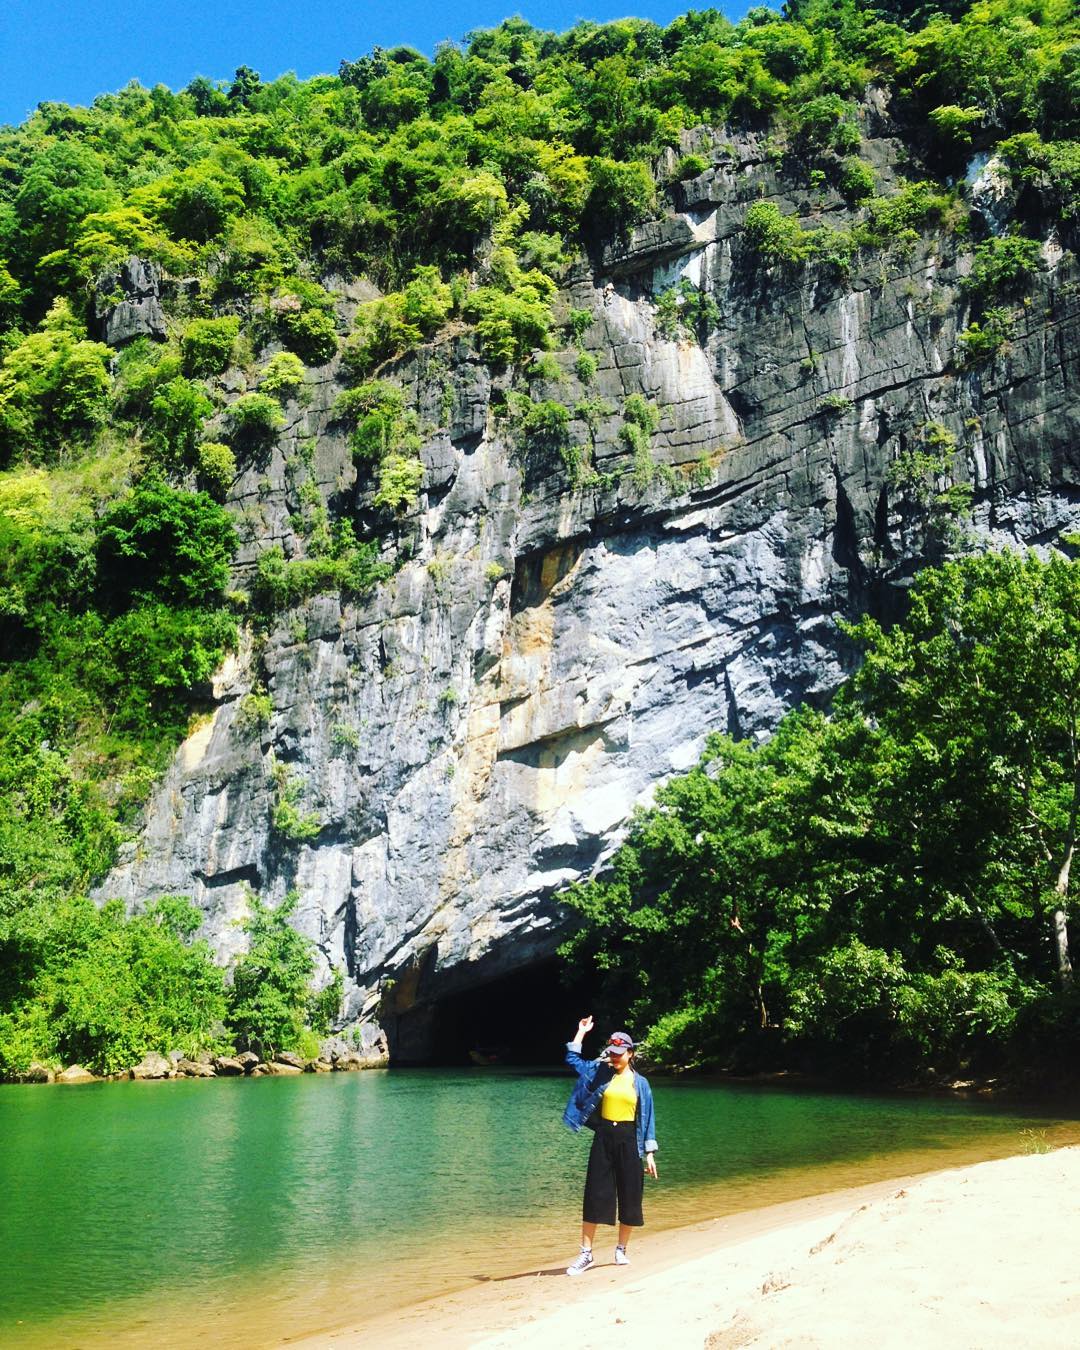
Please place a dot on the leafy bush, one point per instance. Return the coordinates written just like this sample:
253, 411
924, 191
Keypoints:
388, 328
640, 419
844, 1005
207, 345
382, 333
544, 252
288, 821
622, 194
270, 1002
825, 122
690, 166
256, 417
981, 342
638, 411
143, 368
545, 422
773, 236
833, 405
152, 659
177, 413
592, 412
928, 497
324, 1006
585, 367
1002, 267
857, 180
160, 543
1050, 168
104, 990
283, 376
643, 467
514, 316
400, 476
303, 315
217, 468
196, 202
955, 125
427, 300
894, 222
311, 333
54, 388
579, 321
958, 1018
545, 367
382, 426
350, 569
509, 325
688, 308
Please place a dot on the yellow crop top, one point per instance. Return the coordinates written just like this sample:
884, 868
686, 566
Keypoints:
619, 1101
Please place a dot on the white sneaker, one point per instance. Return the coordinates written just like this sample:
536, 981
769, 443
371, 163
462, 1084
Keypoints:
621, 1258
582, 1264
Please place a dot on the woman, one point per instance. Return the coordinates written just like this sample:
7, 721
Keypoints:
611, 1098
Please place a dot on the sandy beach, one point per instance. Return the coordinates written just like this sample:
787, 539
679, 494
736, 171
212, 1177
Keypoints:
981, 1256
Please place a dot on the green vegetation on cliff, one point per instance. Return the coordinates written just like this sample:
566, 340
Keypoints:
458, 189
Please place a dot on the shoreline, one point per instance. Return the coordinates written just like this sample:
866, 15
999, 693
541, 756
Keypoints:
815, 1271
991, 1091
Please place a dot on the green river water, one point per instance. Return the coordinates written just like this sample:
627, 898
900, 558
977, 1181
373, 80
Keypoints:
241, 1212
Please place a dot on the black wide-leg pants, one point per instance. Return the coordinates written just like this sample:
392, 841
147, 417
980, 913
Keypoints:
614, 1174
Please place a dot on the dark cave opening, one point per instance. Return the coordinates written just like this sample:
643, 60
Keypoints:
525, 1017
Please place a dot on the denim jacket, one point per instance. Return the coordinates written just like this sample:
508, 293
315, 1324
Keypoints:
593, 1077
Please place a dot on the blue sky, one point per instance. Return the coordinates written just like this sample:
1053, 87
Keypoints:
71, 50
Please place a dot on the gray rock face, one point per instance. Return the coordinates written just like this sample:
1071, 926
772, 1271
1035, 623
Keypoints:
366, 1049
153, 1065
127, 303
191, 1068
75, 1073
37, 1073
474, 734
991, 191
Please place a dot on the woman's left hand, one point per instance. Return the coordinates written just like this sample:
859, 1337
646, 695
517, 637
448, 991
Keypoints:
650, 1164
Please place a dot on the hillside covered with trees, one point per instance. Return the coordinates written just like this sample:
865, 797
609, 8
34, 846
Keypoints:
883, 880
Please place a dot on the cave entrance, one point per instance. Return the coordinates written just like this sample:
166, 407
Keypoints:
522, 1018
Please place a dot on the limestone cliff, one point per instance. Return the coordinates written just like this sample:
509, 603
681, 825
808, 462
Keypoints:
474, 734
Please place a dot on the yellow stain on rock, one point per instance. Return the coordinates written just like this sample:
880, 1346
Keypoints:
522, 674
193, 750
565, 768
471, 778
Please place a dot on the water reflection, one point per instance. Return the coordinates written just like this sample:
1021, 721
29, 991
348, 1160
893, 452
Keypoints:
333, 1192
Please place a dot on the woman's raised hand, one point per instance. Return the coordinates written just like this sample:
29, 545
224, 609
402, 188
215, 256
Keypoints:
584, 1027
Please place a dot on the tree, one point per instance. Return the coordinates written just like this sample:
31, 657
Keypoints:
208, 99
269, 999
978, 689
709, 888
177, 412
54, 388
103, 989
161, 543
246, 84
65, 182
